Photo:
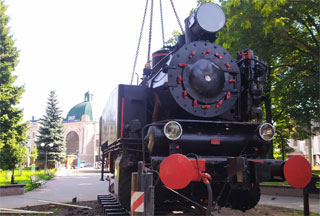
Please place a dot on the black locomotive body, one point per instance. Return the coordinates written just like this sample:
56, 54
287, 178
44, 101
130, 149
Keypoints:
193, 121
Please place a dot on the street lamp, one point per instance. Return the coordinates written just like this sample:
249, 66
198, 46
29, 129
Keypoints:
46, 148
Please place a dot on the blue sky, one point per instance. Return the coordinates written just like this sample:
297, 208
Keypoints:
74, 46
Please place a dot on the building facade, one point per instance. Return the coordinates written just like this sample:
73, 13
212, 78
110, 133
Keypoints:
81, 132
301, 148
32, 133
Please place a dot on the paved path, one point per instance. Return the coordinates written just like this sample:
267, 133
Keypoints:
289, 202
86, 185
62, 188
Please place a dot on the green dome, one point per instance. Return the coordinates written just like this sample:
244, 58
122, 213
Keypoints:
84, 108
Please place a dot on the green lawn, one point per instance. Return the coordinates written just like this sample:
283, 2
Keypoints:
314, 172
25, 177
283, 184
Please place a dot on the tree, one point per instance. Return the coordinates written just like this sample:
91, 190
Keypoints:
12, 129
51, 132
286, 35
173, 39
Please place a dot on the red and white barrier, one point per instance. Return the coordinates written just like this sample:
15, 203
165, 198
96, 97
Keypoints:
137, 201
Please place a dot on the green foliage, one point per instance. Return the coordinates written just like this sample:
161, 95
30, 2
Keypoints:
199, 2
174, 39
51, 131
25, 177
286, 35
12, 130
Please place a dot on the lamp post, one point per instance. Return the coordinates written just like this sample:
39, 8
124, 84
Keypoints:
46, 148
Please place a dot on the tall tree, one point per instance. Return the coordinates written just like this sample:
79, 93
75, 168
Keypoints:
285, 34
51, 132
12, 129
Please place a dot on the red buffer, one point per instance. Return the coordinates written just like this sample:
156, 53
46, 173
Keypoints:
177, 171
297, 171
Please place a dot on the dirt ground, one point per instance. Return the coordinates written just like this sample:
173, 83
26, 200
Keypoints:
97, 210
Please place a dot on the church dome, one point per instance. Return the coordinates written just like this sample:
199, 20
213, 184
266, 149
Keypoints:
84, 108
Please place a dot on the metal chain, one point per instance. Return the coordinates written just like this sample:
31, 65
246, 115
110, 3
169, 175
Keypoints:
139, 41
162, 28
175, 13
150, 30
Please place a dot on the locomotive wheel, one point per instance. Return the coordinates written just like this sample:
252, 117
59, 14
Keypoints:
244, 200
125, 190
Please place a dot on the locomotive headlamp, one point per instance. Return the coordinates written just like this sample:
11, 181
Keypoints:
266, 131
205, 23
172, 130
210, 17
151, 138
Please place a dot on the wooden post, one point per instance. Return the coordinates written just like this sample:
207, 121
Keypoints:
45, 165
142, 192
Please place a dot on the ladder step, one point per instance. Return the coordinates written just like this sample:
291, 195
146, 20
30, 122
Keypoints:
106, 200
105, 207
114, 210
112, 206
104, 195
117, 214
109, 202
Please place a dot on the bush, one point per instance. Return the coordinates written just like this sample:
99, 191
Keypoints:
25, 177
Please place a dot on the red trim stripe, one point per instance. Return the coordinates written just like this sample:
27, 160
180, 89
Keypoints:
122, 112
137, 203
258, 161
159, 54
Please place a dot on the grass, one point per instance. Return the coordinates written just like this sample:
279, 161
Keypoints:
275, 183
283, 184
314, 172
301, 212
24, 178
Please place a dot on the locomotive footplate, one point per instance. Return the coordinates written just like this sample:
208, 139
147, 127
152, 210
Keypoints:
235, 180
235, 171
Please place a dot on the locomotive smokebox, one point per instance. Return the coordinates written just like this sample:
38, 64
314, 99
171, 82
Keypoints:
206, 79
203, 80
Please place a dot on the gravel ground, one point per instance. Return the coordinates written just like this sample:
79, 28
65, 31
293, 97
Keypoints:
97, 210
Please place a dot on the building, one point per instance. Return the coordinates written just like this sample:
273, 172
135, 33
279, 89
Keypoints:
301, 148
81, 132
32, 133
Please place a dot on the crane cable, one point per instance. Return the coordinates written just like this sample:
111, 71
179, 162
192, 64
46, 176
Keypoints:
150, 32
162, 28
139, 42
177, 17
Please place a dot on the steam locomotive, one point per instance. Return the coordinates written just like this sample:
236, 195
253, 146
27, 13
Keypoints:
193, 123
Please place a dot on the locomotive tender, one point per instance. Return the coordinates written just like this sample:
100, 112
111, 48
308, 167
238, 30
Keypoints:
193, 122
